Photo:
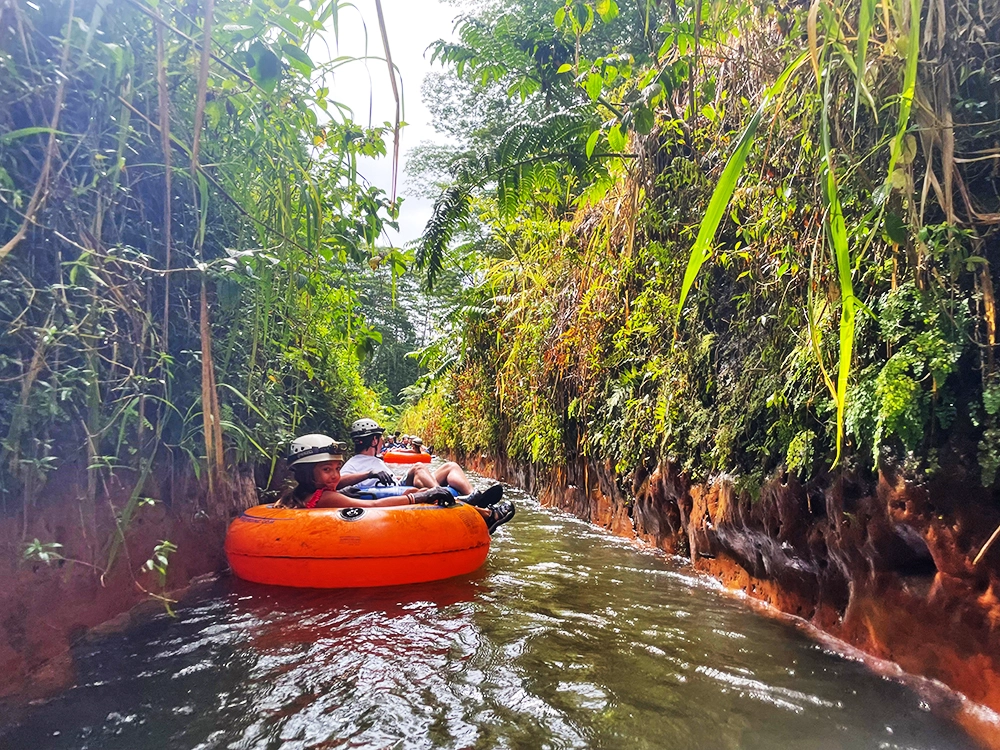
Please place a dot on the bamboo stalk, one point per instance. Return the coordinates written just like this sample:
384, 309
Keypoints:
986, 547
164, 113
990, 310
41, 187
199, 110
211, 417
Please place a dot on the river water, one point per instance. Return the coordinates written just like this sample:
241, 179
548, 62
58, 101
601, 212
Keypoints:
566, 638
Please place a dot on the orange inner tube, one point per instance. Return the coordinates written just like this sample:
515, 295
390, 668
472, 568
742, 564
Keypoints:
406, 457
354, 547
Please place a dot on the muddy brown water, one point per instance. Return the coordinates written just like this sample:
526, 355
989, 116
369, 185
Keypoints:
566, 638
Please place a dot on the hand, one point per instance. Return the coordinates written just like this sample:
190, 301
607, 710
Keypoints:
384, 478
438, 495
446, 500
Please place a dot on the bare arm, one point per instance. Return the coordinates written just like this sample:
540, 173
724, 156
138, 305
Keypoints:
331, 499
348, 480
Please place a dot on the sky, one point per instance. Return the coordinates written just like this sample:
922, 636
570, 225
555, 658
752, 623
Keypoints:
412, 25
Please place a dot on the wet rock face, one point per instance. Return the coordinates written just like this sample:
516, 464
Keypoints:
884, 565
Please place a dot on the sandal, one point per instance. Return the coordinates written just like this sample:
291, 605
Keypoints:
500, 514
484, 498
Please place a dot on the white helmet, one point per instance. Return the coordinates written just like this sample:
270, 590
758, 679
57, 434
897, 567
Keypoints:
365, 427
314, 449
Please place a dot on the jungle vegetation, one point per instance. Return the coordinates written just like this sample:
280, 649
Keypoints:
186, 270
746, 237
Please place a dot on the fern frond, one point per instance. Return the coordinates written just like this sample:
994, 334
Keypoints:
530, 160
450, 210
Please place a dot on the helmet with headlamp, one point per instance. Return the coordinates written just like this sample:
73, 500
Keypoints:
314, 449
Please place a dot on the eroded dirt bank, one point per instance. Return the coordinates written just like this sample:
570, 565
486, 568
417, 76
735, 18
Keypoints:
45, 608
885, 566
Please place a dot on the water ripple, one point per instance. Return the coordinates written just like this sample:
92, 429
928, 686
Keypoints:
567, 638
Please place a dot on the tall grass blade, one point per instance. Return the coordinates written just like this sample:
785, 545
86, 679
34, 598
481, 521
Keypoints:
395, 96
866, 19
702, 249
838, 237
812, 22
906, 96
837, 233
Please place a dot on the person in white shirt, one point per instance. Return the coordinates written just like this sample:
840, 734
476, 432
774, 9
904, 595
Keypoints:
365, 469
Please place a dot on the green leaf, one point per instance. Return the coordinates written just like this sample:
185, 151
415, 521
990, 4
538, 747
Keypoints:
298, 59
644, 120
909, 89
560, 17
836, 230
287, 25
866, 19
564, 68
607, 10
592, 142
616, 139
593, 86
894, 229
331, 12
907, 150
266, 69
25, 132
665, 48
203, 202
299, 14
213, 113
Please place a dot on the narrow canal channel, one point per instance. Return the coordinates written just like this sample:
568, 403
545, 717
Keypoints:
566, 638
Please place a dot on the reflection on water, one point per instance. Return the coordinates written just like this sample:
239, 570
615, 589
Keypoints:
566, 638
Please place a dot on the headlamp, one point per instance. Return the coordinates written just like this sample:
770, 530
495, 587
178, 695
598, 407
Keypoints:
334, 448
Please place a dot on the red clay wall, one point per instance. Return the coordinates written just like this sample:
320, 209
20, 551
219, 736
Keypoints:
46, 608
